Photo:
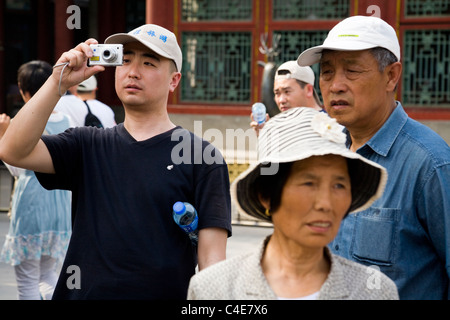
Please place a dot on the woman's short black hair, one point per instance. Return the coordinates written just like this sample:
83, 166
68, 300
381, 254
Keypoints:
32, 75
270, 187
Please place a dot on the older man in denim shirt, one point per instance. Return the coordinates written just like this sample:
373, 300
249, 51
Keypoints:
406, 233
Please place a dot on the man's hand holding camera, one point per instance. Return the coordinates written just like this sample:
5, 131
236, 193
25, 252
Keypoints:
77, 69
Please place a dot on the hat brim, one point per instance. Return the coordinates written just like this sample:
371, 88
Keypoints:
367, 177
124, 38
313, 55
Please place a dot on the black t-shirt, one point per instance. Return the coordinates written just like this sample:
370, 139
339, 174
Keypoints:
125, 243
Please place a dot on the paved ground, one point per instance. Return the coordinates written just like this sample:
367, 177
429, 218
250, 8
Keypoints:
244, 239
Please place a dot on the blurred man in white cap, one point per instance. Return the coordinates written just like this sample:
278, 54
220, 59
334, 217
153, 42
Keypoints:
406, 233
72, 106
73, 103
125, 180
293, 87
87, 91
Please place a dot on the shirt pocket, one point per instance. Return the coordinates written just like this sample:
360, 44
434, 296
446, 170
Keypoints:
375, 241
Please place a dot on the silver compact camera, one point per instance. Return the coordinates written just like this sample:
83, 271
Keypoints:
108, 55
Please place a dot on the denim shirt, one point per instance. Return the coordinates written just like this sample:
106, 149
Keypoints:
406, 233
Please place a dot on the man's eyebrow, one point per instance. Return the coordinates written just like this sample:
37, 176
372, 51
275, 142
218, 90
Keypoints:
151, 55
283, 88
323, 62
147, 54
348, 61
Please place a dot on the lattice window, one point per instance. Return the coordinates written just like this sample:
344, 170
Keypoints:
427, 8
426, 60
310, 9
216, 10
294, 42
216, 67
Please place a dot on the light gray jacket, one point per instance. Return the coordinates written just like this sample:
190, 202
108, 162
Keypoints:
242, 278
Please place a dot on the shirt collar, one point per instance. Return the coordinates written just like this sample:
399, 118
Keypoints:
383, 140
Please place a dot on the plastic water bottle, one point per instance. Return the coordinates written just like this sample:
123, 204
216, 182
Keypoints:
259, 112
186, 217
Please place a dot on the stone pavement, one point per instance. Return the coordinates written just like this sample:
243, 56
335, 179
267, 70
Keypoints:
244, 239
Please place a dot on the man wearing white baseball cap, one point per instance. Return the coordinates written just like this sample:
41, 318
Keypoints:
293, 87
406, 233
289, 78
125, 180
87, 91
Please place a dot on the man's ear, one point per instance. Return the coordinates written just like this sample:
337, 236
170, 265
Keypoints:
176, 77
394, 72
310, 90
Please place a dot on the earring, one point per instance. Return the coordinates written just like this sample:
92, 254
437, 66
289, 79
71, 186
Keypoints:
267, 213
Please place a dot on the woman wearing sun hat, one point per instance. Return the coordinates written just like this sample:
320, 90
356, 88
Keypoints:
304, 182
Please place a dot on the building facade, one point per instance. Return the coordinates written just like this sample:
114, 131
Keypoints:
221, 42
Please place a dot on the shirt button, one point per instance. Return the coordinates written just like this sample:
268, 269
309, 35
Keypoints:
336, 247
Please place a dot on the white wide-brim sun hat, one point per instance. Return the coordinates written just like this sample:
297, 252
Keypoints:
298, 134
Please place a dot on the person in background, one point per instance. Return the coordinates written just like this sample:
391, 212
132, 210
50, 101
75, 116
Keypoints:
405, 233
73, 106
293, 87
87, 92
304, 186
126, 179
40, 225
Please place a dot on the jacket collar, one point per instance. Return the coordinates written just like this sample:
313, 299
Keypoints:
258, 288
334, 286
383, 140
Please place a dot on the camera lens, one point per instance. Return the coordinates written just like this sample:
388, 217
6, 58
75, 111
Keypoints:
109, 55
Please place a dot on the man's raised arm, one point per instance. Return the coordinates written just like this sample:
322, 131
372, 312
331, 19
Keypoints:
21, 145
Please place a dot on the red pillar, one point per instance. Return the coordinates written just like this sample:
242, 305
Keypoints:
45, 43
163, 13
111, 20
63, 36
160, 13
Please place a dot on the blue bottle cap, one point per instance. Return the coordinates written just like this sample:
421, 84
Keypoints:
179, 207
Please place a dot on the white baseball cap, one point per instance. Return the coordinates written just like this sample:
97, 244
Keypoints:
90, 84
354, 34
154, 37
304, 74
